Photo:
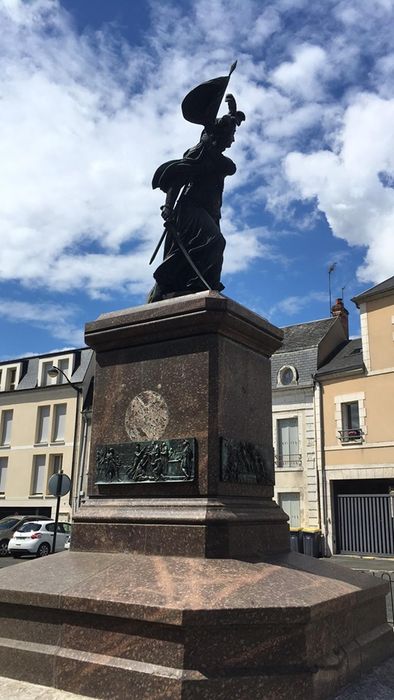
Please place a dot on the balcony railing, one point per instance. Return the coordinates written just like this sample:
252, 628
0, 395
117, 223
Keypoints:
288, 461
351, 435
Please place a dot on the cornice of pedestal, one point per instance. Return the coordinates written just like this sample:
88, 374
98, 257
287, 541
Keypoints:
183, 317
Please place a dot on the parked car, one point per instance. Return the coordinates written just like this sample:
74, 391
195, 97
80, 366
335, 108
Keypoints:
36, 538
11, 523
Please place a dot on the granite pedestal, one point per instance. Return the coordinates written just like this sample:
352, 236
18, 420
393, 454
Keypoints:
180, 583
192, 367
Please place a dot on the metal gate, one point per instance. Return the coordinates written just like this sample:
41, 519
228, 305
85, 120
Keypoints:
365, 524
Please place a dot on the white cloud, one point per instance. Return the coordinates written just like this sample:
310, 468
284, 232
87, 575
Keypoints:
268, 22
292, 305
80, 139
85, 119
77, 154
305, 75
55, 318
295, 121
358, 207
245, 246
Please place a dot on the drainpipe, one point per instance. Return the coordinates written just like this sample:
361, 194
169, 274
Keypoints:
319, 432
74, 454
82, 459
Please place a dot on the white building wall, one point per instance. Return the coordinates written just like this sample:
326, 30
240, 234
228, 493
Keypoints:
298, 402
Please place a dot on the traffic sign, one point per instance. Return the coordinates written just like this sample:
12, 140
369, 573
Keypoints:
59, 484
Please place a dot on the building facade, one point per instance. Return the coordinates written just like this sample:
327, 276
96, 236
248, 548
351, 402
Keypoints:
296, 415
355, 391
40, 429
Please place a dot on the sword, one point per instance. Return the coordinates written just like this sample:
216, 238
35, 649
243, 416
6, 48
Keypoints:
163, 235
170, 228
156, 250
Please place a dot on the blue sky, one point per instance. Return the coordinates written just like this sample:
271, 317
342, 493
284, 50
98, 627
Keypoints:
90, 106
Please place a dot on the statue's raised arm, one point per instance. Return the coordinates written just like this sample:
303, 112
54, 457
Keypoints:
193, 242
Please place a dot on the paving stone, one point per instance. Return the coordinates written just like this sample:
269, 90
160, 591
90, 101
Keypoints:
376, 685
17, 690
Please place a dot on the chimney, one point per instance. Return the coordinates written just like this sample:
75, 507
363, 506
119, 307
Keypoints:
338, 309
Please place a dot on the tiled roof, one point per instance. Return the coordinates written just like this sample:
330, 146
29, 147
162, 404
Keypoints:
348, 359
305, 335
29, 379
80, 371
300, 349
30, 365
382, 288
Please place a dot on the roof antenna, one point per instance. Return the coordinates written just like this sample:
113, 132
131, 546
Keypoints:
331, 269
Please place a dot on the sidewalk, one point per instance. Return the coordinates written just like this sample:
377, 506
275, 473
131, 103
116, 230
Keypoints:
17, 690
365, 563
378, 684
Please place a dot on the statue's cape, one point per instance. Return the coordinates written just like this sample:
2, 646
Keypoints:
181, 171
166, 174
201, 105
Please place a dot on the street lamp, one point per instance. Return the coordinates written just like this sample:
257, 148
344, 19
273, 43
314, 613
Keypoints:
54, 372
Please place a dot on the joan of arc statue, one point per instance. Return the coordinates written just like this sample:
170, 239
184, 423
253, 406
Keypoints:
193, 242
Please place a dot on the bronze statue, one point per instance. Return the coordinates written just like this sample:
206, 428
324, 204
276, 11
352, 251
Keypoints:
194, 244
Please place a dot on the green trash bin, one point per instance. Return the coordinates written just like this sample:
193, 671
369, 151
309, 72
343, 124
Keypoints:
311, 538
296, 540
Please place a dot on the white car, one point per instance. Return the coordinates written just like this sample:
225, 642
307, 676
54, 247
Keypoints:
36, 538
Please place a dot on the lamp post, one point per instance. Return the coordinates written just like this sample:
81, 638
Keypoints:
54, 372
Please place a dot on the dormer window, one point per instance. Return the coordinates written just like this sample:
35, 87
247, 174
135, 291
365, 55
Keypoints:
64, 363
287, 375
9, 377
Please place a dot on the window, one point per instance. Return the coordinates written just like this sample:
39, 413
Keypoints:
59, 422
288, 452
30, 527
10, 379
55, 465
38, 476
63, 363
3, 473
6, 425
287, 375
351, 430
63, 366
290, 502
8, 523
43, 424
46, 380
